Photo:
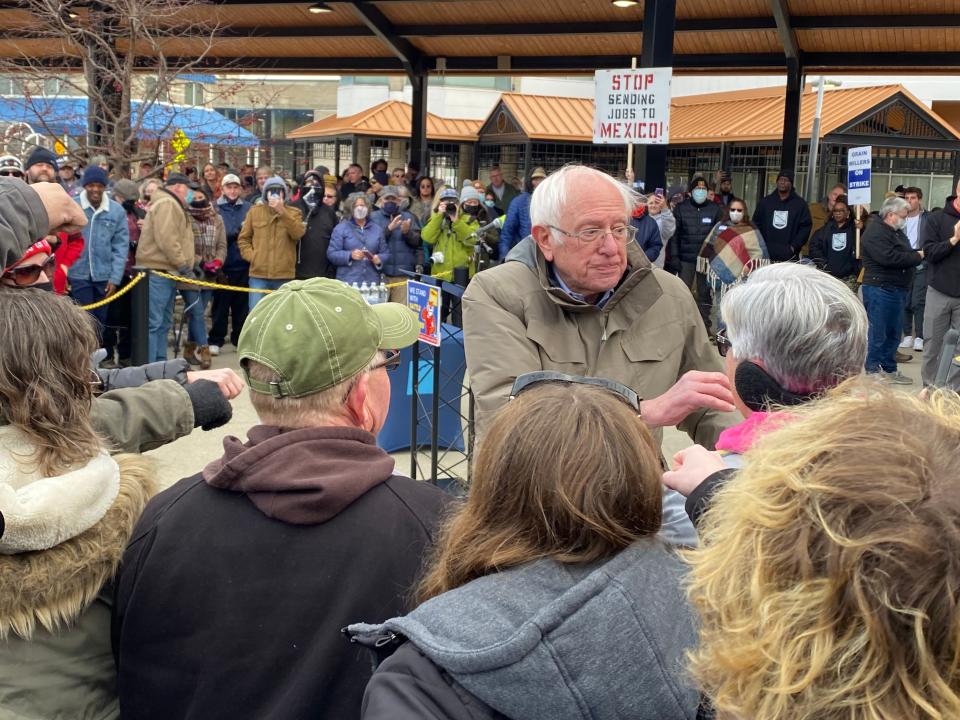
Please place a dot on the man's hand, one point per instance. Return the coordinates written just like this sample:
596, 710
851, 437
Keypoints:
229, 382
276, 203
691, 467
405, 227
110, 289
394, 223
64, 214
956, 234
357, 255
695, 390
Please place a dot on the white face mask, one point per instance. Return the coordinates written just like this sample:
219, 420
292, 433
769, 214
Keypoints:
360, 212
736, 216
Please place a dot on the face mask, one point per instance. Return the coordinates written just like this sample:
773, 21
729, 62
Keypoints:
390, 208
360, 212
189, 198
699, 195
736, 216
488, 203
471, 209
200, 204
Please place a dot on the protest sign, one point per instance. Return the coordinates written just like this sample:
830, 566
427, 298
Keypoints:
424, 300
859, 161
632, 106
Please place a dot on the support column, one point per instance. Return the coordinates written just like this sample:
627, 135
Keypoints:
419, 80
791, 115
659, 24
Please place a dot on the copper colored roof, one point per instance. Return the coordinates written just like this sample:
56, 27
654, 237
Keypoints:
388, 119
545, 117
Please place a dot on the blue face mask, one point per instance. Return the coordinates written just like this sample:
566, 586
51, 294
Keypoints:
390, 208
699, 195
189, 198
488, 203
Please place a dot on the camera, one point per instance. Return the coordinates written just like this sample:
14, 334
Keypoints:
451, 209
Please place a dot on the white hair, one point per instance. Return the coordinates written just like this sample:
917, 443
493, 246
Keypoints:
807, 328
555, 190
893, 205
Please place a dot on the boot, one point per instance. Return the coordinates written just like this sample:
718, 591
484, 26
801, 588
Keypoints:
203, 354
190, 353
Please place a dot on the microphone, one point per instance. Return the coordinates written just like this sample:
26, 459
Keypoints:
496, 224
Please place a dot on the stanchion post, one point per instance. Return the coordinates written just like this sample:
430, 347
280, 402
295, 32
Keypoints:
140, 318
414, 408
435, 419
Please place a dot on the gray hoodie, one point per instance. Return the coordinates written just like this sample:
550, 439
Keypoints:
549, 641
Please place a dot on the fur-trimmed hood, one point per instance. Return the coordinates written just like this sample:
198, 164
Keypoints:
52, 588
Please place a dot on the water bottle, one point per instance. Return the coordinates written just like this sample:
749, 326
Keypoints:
365, 291
383, 292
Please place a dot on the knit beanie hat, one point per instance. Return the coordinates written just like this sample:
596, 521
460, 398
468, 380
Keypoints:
41, 155
470, 193
94, 174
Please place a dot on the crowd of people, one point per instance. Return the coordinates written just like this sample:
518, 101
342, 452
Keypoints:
796, 562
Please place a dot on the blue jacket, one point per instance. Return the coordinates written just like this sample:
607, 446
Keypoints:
517, 225
106, 242
403, 248
348, 236
233, 215
648, 236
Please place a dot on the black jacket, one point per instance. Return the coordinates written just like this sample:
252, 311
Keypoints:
888, 260
694, 223
784, 224
834, 249
942, 258
312, 247
224, 610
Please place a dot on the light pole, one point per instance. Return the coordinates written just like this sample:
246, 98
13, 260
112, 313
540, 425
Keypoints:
820, 83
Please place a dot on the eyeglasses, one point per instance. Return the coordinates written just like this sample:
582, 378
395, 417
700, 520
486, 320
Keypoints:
723, 344
29, 274
5, 172
532, 378
329, 197
623, 234
390, 362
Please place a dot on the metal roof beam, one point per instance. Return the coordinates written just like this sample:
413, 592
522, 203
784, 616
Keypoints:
868, 22
370, 15
788, 37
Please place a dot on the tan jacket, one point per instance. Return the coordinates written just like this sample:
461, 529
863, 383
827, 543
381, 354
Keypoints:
166, 241
268, 241
647, 335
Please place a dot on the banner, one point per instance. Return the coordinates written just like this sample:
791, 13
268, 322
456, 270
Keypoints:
424, 300
632, 106
859, 162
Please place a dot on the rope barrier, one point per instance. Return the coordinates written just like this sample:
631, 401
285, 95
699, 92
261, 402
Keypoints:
212, 285
119, 293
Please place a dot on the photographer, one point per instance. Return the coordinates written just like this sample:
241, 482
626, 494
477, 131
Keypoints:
402, 232
451, 234
268, 239
320, 218
358, 247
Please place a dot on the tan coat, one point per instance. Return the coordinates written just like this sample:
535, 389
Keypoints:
268, 241
166, 241
646, 336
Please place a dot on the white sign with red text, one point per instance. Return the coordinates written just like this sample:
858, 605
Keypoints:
632, 106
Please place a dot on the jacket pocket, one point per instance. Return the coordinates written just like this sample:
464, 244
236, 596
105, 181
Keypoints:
561, 345
652, 344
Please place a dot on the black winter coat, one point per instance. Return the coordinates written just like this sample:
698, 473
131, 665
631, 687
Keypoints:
888, 259
834, 249
942, 258
784, 224
694, 223
312, 247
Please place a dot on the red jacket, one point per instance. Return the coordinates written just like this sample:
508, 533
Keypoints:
68, 250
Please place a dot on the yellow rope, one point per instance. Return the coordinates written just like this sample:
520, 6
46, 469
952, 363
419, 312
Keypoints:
119, 293
203, 283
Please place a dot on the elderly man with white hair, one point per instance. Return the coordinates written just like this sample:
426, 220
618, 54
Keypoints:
888, 262
578, 296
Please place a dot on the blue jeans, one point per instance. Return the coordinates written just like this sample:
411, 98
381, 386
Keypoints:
885, 314
263, 284
197, 301
86, 292
162, 294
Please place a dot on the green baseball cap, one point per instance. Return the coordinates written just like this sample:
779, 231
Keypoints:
318, 333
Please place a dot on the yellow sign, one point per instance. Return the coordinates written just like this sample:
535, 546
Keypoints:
180, 141
59, 148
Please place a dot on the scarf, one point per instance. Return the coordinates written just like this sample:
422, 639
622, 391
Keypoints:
729, 254
204, 231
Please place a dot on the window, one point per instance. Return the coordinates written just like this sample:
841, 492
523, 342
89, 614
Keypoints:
11, 85
52, 87
193, 93
150, 85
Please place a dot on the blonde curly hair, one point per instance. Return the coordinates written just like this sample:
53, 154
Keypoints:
829, 574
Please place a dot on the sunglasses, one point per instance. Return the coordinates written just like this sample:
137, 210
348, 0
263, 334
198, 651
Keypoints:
29, 274
391, 361
723, 344
10, 173
532, 378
